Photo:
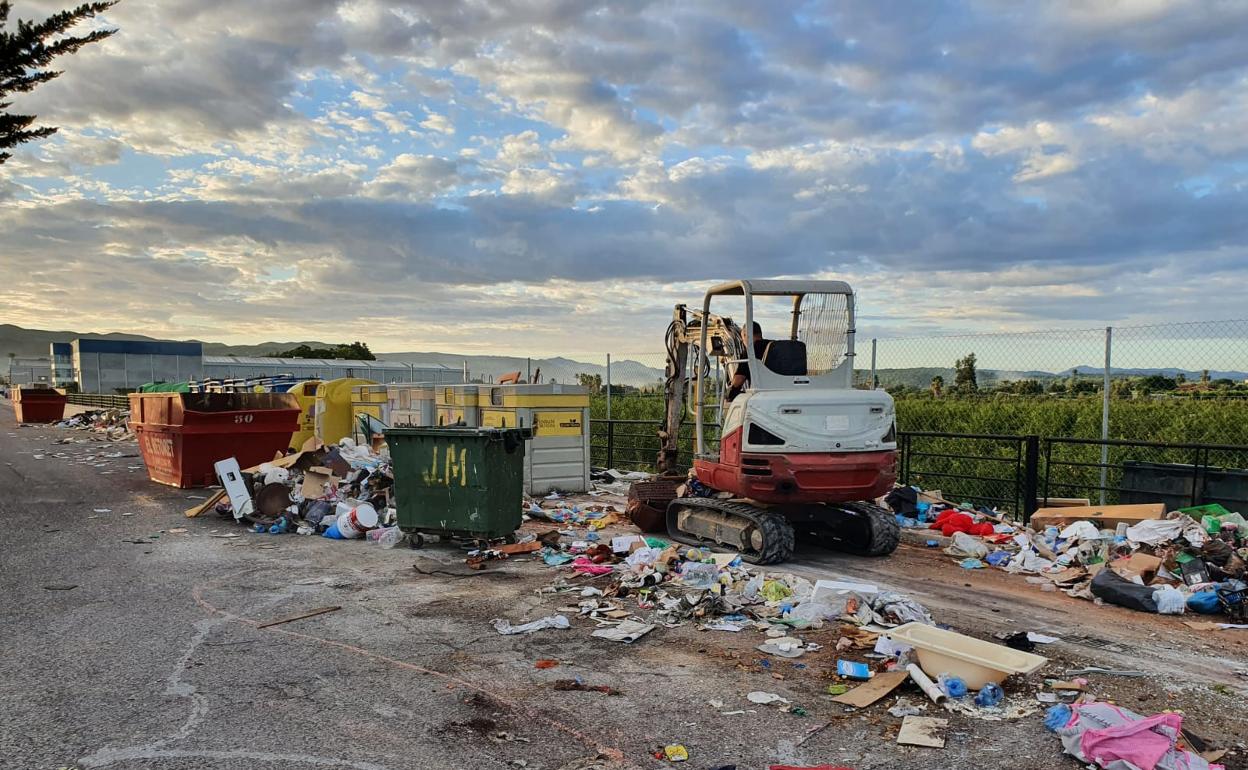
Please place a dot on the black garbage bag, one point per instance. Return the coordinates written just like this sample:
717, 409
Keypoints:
1115, 589
903, 500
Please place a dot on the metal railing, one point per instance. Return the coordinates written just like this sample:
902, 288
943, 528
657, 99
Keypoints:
1015, 473
99, 400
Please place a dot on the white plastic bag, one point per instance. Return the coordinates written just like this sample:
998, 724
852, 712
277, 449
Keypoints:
1170, 600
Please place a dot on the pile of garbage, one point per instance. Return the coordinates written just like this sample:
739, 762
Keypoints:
1191, 559
112, 424
343, 492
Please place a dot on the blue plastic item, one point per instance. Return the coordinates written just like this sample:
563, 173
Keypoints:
932, 543
853, 670
953, 686
332, 533
1204, 602
998, 557
1057, 717
989, 695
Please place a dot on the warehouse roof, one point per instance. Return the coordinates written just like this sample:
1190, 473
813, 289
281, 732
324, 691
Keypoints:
318, 363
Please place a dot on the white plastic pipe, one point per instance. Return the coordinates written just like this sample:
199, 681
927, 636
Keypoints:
929, 688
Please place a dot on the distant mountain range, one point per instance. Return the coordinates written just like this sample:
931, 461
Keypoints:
33, 343
921, 377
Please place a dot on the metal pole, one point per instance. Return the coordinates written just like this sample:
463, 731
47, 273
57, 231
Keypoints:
608, 386
873, 383
1109, 345
528, 370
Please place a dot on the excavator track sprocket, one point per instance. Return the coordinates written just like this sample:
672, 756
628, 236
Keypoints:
764, 537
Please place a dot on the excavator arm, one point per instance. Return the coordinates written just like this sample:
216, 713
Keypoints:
683, 342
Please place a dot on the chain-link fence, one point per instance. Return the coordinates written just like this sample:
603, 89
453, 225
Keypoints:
1170, 383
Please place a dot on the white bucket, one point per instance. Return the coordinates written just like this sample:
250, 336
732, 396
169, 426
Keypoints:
354, 522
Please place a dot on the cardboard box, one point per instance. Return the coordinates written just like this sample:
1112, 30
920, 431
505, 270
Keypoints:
1103, 516
1141, 564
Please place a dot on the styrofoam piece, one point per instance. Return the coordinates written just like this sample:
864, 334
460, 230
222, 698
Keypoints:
975, 661
834, 592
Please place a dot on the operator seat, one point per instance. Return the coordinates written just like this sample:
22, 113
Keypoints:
786, 357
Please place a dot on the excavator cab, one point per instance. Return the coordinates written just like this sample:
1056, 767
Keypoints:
799, 446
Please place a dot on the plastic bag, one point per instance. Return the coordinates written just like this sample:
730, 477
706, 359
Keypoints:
1115, 589
1204, 602
965, 546
1169, 600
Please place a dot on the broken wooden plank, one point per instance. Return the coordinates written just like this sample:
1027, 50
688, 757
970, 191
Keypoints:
875, 688
300, 616
206, 505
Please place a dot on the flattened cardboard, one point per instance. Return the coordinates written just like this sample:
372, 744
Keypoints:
873, 689
922, 731
1104, 516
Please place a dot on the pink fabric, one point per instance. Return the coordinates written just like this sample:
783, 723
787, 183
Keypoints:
1136, 742
587, 567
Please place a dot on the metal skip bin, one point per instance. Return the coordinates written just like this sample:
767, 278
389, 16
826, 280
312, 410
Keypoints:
557, 456
458, 482
333, 408
411, 405
181, 435
38, 404
457, 405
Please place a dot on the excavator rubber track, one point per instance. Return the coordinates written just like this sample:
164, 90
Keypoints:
777, 533
858, 528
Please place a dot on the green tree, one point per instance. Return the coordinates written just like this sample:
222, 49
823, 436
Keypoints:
964, 378
1156, 383
938, 386
355, 351
591, 382
24, 56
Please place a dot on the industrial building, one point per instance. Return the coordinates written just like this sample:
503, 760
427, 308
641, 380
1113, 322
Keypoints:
232, 367
28, 371
111, 366
119, 366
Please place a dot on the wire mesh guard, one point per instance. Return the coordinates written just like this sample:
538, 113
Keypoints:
823, 325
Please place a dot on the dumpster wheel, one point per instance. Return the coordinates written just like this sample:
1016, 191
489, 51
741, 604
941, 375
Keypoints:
415, 540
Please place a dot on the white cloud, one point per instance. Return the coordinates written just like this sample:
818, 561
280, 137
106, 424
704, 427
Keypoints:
440, 123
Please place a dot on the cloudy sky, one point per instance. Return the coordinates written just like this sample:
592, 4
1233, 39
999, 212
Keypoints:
537, 177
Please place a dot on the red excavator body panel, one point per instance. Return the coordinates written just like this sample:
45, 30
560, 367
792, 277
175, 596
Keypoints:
798, 477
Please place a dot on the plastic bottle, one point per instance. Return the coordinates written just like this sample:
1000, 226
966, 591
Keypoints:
953, 686
1050, 536
989, 695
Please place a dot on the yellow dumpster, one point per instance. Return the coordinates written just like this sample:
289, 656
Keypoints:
557, 457
457, 405
411, 405
305, 393
333, 408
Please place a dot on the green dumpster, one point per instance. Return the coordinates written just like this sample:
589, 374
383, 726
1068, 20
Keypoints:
458, 482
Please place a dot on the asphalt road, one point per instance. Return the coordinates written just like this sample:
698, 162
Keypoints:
131, 641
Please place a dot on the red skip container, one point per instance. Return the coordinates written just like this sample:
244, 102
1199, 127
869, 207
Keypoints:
181, 435
38, 404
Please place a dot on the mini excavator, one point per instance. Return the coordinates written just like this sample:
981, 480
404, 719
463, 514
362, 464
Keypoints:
801, 452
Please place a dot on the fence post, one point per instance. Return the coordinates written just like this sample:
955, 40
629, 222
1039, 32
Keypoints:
873, 382
608, 386
1031, 476
610, 443
1109, 345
